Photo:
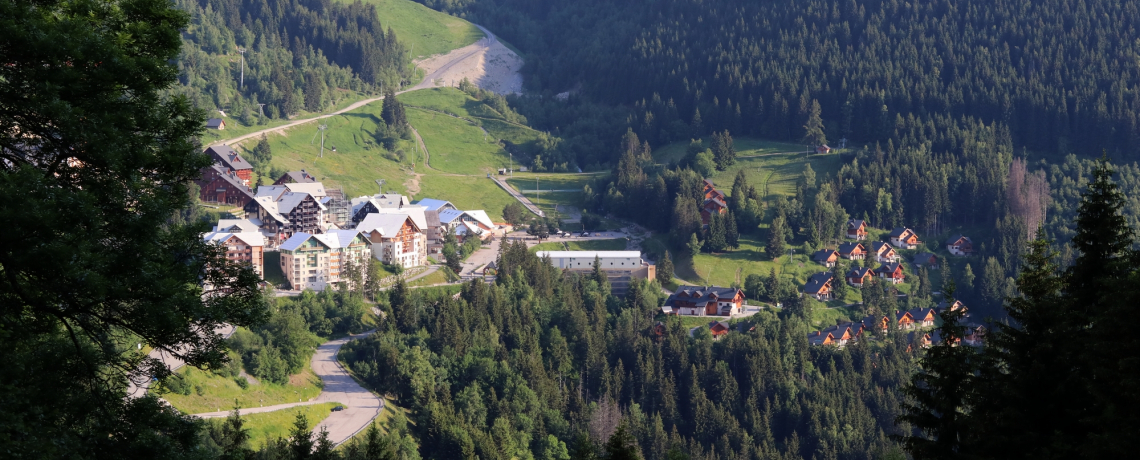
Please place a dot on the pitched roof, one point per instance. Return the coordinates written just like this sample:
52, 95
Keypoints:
898, 231
316, 189
888, 267
432, 218
878, 246
270, 206
719, 327
954, 239
858, 272
923, 258
816, 282
250, 238
432, 204
297, 177
214, 123
235, 181
448, 215
252, 224
416, 212
700, 295
856, 223
388, 225
848, 248
228, 157
340, 238
823, 255
297, 240
481, 216
383, 200
290, 200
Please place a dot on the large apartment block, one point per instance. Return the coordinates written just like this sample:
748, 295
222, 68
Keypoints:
396, 239
245, 247
315, 261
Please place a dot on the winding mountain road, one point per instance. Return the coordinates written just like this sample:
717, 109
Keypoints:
360, 405
479, 46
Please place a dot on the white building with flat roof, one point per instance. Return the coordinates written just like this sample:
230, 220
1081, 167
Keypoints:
584, 260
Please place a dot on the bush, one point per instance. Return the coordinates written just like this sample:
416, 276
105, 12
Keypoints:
241, 382
176, 384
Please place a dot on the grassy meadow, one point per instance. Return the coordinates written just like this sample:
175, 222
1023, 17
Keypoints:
219, 393
423, 30
269, 426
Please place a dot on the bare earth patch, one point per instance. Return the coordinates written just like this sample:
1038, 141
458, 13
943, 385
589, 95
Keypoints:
487, 63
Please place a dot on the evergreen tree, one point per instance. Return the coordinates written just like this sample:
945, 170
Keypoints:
235, 437
813, 127
621, 445
775, 238
301, 439
731, 234
967, 281
665, 269
993, 281
939, 392
403, 312
694, 246
724, 152
838, 280
716, 240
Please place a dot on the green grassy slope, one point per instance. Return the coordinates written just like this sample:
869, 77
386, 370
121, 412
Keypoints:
219, 393
268, 426
423, 30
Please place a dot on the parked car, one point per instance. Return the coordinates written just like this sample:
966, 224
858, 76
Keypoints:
338, 408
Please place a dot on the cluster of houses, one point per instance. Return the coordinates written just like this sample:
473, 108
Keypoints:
919, 321
317, 231
820, 285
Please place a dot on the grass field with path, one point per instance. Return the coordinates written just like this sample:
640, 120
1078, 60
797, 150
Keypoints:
269, 426
219, 393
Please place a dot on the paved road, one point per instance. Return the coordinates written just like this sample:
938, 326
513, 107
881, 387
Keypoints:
482, 45
361, 405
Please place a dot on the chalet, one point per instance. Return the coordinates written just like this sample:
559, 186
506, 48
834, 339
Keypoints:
857, 229
490, 269
364, 205
917, 339
819, 286
936, 338
396, 239
223, 186
317, 261
295, 177
852, 251
859, 276
705, 301
826, 257
244, 247
957, 305
231, 161
923, 317
845, 332
820, 338
883, 252
975, 334
432, 204
903, 320
904, 238
892, 271
872, 322
466, 223
714, 202
822, 149
926, 259
718, 329
216, 123
659, 329
960, 245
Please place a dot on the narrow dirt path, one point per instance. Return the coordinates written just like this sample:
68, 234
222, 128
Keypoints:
482, 45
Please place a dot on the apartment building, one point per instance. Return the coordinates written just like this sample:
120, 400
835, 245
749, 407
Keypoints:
315, 261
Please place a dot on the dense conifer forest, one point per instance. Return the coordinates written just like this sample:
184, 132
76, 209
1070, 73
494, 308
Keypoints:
299, 54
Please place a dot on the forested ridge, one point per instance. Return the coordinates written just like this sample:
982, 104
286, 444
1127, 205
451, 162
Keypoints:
300, 54
546, 366
1061, 74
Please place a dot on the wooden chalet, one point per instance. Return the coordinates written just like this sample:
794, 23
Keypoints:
705, 301
960, 245
826, 257
295, 177
819, 286
852, 251
216, 123
220, 185
857, 229
883, 252
821, 338
715, 202
904, 238
859, 276
718, 329
891, 271
903, 320
926, 259
231, 161
923, 317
